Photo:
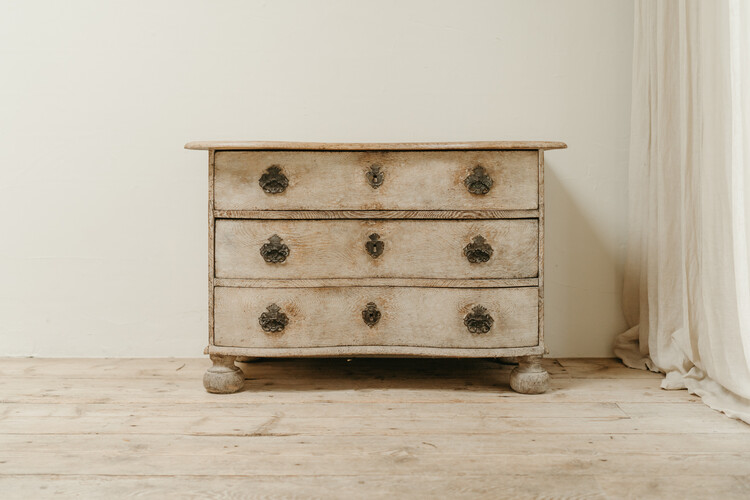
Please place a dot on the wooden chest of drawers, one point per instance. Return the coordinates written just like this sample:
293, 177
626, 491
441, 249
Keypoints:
405, 249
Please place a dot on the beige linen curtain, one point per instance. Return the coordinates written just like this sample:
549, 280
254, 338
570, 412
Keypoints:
687, 281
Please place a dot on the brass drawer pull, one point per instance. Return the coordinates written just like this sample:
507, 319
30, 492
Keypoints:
274, 251
375, 176
375, 247
371, 314
479, 182
478, 320
273, 181
478, 250
273, 320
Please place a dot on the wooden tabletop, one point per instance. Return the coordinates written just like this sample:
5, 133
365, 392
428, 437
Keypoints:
369, 146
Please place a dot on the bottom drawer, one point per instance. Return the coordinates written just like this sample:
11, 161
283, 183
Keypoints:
372, 316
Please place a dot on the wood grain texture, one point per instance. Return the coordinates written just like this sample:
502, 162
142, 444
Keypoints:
373, 146
541, 248
363, 428
381, 282
425, 180
376, 351
224, 377
329, 209
186, 368
416, 317
338, 381
529, 377
501, 485
211, 247
376, 214
412, 249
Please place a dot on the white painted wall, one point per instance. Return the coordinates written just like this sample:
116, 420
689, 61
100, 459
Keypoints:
103, 245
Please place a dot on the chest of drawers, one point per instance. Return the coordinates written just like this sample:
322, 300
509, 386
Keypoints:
404, 249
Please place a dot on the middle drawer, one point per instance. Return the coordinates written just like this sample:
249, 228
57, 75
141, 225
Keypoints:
299, 249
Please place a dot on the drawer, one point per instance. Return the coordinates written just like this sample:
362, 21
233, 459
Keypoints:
372, 180
366, 316
298, 249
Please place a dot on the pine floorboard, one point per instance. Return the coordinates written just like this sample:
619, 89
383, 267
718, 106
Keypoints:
359, 428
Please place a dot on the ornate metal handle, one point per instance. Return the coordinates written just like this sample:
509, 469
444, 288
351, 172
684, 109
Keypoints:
478, 320
370, 314
375, 247
375, 177
479, 182
273, 320
478, 250
273, 181
274, 251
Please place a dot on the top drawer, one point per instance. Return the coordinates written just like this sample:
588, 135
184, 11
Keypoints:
392, 180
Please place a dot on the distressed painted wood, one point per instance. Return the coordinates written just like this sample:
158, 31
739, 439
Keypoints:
425, 180
411, 249
540, 260
376, 214
529, 377
416, 317
376, 351
224, 377
313, 207
373, 146
211, 246
384, 282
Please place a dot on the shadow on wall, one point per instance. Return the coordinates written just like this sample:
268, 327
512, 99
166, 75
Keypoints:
583, 270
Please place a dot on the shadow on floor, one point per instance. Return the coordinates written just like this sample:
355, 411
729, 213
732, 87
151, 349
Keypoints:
301, 374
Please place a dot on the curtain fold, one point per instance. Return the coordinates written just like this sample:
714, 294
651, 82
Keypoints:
687, 277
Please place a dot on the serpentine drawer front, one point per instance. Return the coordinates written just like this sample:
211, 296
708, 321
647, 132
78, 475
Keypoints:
380, 249
404, 180
403, 249
401, 316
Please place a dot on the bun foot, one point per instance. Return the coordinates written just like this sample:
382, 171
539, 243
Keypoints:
223, 377
529, 377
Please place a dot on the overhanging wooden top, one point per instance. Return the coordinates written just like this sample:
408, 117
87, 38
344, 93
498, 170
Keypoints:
373, 146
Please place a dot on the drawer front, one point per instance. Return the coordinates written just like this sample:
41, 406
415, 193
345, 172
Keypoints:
298, 249
361, 316
406, 180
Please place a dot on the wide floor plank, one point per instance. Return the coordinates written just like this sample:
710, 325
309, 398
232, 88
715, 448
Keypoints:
360, 428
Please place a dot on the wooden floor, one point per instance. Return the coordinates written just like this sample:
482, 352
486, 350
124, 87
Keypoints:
364, 428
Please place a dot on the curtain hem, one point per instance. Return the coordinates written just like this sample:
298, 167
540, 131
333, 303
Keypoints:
695, 381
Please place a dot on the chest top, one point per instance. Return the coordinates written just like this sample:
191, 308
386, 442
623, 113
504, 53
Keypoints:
373, 146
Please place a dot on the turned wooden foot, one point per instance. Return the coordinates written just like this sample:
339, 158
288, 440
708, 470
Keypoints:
529, 377
223, 377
